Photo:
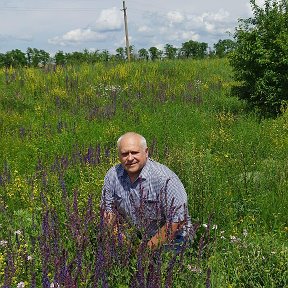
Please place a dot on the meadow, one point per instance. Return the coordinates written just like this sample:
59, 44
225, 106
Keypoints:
58, 128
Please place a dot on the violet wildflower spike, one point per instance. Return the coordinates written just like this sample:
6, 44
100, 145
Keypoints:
208, 278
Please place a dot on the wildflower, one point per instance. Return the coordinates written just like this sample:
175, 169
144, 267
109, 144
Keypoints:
214, 227
245, 233
222, 235
17, 232
21, 285
194, 269
204, 225
3, 243
29, 258
234, 239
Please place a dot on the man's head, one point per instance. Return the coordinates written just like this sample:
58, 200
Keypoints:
133, 153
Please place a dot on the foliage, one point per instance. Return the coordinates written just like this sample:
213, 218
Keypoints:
58, 131
170, 51
14, 58
260, 58
143, 54
154, 53
193, 49
224, 47
36, 58
41, 58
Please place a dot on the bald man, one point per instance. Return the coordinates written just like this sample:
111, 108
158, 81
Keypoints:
146, 194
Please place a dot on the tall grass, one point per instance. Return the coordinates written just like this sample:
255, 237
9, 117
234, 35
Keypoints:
58, 132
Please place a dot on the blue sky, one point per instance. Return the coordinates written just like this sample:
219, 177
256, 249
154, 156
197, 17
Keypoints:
73, 25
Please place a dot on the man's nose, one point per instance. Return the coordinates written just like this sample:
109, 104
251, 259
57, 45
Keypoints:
130, 156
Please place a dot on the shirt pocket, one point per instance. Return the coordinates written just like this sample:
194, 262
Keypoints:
119, 203
151, 208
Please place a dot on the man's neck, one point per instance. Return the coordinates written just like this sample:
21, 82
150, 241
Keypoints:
133, 177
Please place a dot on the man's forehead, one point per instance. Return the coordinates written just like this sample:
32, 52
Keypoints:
130, 140
130, 147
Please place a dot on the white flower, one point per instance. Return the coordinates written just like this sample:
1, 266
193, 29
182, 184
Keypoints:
29, 258
204, 225
245, 233
3, 243
54, 285
18, 232
234, 239
214, 227
194, 268
21, 285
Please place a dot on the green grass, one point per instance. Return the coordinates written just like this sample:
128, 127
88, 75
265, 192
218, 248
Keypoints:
233, 165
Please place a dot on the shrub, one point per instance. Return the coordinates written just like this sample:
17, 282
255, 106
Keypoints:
260, 60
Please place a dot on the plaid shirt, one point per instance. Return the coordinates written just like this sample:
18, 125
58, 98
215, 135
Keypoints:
155, 198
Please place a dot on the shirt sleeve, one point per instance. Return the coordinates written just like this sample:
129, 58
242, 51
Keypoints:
107, 199
174, 200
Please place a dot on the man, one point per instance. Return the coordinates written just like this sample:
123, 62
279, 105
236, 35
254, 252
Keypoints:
145, 193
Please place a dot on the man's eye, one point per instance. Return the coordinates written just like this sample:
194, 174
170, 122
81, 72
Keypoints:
124, 154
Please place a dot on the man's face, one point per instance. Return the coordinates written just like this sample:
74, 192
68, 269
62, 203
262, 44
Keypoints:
132, 155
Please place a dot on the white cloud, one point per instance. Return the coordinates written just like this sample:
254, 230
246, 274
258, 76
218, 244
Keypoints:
178, 27
77, 36
109, 20
144, 29
175, 17
182, 36
220, 16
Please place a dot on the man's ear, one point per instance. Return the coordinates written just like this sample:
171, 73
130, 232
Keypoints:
146, 151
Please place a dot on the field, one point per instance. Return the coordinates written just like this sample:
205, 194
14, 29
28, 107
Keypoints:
58, 130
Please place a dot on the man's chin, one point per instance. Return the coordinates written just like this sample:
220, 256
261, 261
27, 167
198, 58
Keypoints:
131, 169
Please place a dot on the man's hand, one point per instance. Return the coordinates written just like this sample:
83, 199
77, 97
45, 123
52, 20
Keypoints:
165, 234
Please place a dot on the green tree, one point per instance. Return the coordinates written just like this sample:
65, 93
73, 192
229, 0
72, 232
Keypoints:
44, 57
2, 60
120, 53
154, 53
15, 58
36, 58
105, 56
170, 51
193, 49
260, 59
143, 54
224, 47
75, 57
91, 56
60, 58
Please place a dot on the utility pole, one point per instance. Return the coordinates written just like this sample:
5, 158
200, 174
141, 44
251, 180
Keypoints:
126, 31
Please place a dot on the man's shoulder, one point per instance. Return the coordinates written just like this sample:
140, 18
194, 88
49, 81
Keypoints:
159, 170
115, 171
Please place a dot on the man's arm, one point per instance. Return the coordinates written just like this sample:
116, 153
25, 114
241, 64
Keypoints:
112, 223
166, 233
109, 218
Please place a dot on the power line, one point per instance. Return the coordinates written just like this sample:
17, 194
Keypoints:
45, 9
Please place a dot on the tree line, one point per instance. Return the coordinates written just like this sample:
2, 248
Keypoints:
191, 49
